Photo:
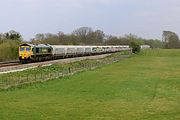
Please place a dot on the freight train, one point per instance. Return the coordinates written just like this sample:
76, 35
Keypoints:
43, 52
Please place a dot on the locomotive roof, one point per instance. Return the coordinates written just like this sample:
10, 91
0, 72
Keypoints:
43, 45
37, 45
27, 44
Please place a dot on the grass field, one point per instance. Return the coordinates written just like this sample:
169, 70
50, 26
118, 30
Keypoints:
143, 87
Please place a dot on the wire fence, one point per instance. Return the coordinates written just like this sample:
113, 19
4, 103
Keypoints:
22, 79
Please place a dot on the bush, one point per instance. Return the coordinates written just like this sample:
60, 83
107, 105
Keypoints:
135, 46
9, 50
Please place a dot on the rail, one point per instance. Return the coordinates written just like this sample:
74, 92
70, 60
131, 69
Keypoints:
9, 63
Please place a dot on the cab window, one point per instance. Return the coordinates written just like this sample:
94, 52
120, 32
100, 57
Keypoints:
21, 49
37, 50
28, 49
49, 50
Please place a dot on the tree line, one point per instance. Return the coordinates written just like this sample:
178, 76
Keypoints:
88, 36
9, 41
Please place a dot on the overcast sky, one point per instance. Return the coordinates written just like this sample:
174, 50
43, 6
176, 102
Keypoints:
145, 18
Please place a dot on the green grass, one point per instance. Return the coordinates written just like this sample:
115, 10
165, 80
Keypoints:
143, 87
50, 72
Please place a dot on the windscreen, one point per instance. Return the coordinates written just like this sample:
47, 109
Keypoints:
27, 49
22, 49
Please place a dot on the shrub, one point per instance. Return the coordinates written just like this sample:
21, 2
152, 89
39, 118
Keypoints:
135, 45
9, 50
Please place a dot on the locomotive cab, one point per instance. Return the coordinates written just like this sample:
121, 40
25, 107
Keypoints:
25, 52
32, 53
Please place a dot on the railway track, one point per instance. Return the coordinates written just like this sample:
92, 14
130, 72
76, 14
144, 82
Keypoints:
7, 67
16, 62
9, 63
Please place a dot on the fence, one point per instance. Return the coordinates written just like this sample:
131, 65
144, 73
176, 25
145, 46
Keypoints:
18, 80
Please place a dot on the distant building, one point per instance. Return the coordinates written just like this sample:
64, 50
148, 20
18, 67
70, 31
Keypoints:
145, 46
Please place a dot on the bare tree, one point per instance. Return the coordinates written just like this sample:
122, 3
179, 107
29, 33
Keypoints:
83, 31
39, 36
170, 40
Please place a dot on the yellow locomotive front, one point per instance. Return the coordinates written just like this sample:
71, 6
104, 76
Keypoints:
25, 52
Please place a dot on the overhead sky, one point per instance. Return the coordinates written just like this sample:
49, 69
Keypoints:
145, 18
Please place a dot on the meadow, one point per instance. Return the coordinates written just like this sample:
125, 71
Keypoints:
143, 87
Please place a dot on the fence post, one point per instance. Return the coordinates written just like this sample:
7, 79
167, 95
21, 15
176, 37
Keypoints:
35, 77
83, 66
17, 82
27, 77
69, 69
1, 84
63, 72
72, 69
41, 75
7, 81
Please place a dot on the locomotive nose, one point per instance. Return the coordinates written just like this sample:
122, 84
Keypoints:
25, 55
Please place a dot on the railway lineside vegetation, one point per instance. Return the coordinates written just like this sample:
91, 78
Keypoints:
43, 74
82, 36
9, 50
143, 87
9, 43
